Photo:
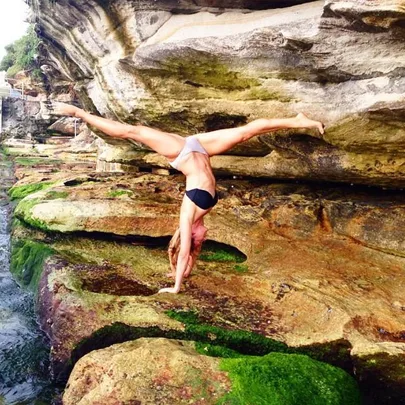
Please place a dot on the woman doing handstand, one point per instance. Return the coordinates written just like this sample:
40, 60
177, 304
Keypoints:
191, 156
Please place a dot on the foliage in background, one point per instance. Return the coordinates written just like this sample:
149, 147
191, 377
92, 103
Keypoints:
22, 55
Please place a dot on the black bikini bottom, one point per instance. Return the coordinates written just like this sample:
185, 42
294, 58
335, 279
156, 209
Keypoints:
202, 198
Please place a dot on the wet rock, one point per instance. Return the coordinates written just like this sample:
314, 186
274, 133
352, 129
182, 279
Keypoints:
151, 371
310, 277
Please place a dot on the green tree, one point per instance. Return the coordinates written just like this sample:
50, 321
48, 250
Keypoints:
22, 54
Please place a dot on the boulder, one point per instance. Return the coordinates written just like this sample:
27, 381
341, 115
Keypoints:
161, 371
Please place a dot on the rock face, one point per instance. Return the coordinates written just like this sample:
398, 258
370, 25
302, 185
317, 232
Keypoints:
342, 298
147, 371
161, 371
18, 119
188, 67
324, 264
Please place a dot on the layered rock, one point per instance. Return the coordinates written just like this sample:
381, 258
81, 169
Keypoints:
189, 67
18, 119
324, 264
343, 295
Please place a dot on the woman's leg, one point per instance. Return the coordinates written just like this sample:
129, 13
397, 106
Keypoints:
217, 142
164, 143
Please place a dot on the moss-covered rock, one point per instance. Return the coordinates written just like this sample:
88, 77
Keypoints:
287, 379
27, 262
18, 192
157, 377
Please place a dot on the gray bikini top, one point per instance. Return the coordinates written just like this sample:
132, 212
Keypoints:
192, 145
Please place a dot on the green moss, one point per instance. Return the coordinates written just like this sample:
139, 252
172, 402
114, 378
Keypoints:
27, 259
216, 351
118, 193
240, 341
385, 373
204, 70
241, 268
259, 93
216, 252
287, 379
54, 195
23, 191
23, 212
33, 161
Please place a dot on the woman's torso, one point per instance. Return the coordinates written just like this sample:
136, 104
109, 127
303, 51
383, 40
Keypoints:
197, 169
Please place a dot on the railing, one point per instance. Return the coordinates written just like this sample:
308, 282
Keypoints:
10, 92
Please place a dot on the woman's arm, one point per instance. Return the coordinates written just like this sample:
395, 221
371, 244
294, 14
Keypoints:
184, 254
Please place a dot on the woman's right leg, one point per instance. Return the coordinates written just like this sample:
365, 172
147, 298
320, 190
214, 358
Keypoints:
220, 141
164, 143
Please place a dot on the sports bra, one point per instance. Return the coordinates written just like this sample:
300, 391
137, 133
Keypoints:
192, 145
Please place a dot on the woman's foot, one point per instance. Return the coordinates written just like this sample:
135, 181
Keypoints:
304, 122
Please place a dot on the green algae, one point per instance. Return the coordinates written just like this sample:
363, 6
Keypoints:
33, 161
385, 373
19, 192
23, 212
119, 193
207, 70
287, 379
216, 252
27, 260
216, 351
273, 379
54, 195
241, 268
241, 341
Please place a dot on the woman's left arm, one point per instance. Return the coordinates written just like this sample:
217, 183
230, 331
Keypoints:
184, 254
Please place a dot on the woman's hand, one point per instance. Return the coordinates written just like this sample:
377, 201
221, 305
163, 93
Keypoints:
58, 108
172, 290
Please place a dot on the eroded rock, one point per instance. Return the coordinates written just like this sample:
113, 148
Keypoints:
151, 371
196, 67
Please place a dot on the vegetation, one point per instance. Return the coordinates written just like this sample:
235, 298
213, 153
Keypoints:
22, 55
240, 341
19, 192
119, 193
33, 161
287, 379
27, 259
278, 377
215, 252
54, 195
241, 268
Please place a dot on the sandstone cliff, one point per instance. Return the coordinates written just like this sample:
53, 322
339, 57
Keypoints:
188, 67
318, 268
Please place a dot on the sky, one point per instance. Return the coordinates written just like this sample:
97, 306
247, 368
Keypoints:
13, 25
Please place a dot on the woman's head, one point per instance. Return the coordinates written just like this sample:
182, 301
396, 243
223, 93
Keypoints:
198, 234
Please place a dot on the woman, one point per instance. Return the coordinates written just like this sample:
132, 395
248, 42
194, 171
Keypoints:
191, 156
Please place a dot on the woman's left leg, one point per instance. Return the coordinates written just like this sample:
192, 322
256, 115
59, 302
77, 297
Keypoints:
220, 141
166, 144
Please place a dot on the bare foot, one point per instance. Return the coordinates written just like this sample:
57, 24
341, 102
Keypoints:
305, 122
171, 275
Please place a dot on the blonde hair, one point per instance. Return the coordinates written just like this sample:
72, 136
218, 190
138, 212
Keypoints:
174, 249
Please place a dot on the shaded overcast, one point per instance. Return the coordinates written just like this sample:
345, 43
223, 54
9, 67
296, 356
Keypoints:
13, 14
